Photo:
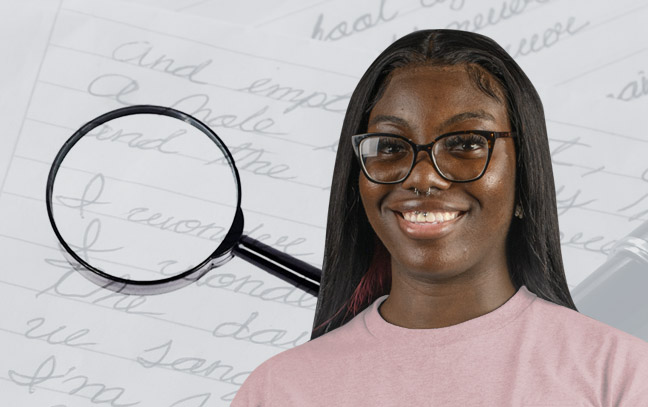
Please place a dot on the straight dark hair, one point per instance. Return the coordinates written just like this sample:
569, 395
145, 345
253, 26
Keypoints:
357, 266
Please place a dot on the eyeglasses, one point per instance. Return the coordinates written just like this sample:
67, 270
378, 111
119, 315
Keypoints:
459, 156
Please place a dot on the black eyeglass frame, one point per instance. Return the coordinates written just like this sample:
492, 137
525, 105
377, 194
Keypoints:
491, 136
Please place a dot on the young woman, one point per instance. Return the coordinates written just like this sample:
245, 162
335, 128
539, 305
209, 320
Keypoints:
443, 283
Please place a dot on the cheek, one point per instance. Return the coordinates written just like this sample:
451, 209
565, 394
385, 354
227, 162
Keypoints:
497, 187
364, 189
366, 195
371, 195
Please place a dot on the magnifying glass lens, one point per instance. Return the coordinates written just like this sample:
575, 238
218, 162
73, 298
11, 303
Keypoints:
144, 197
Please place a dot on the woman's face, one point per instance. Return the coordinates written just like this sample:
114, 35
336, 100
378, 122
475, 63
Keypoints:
422, 103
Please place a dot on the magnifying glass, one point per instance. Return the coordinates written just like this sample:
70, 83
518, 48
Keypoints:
147, 199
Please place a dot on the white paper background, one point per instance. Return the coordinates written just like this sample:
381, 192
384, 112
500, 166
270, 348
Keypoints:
67, 342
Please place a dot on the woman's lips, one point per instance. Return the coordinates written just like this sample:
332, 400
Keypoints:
427, 230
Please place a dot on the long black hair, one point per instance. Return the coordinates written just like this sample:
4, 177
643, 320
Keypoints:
356, 269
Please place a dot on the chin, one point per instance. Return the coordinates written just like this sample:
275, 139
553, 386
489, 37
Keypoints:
435, 270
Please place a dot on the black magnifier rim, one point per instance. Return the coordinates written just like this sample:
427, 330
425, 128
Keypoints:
169, 283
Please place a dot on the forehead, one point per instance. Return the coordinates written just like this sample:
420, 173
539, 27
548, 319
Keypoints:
429, 96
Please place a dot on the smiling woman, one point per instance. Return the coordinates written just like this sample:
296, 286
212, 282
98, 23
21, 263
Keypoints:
443, 281
425, 85
444, 271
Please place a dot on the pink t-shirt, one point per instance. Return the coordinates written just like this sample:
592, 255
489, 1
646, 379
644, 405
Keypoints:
527, 352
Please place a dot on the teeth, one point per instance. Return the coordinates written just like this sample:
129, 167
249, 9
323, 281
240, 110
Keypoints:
429, 217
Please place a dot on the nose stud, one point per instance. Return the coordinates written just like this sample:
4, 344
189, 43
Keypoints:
416, 191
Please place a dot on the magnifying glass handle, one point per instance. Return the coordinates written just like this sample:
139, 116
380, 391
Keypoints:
279, 264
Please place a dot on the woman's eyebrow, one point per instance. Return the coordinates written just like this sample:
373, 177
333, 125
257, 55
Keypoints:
478, 114
388, 118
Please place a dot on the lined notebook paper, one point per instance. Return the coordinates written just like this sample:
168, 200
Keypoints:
273, 81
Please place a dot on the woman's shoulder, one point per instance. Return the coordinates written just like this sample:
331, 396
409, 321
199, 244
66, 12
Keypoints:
278, 376
576, 324
589, 343
610, 357
349, 338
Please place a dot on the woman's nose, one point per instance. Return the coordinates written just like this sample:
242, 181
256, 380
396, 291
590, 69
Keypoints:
425, 175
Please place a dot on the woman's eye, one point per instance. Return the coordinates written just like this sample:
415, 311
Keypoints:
465, 143
390, 147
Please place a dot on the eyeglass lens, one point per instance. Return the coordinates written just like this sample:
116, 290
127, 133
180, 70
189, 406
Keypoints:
459, 157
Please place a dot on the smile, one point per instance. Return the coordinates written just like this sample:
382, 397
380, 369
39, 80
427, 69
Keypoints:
417, 225
429, 217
